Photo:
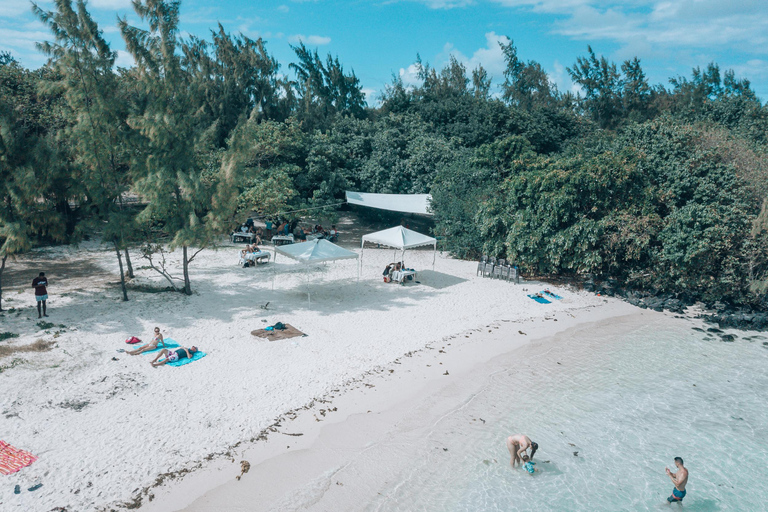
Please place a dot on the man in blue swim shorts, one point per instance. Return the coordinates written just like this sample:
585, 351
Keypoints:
679, 479
41, 293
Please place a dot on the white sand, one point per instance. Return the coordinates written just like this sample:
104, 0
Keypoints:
105, 431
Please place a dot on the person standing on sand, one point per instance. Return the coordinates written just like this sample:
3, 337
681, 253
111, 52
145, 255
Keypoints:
518, 445
41, 292
679, 479
152, 345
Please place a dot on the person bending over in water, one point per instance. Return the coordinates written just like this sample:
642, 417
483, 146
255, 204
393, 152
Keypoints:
172, 356
518, 446
679, 479
152, 345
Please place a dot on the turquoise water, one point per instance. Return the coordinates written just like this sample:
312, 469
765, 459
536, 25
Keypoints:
627, 400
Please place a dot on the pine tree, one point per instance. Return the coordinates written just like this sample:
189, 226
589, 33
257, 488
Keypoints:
30, 165
176, 136
97, 114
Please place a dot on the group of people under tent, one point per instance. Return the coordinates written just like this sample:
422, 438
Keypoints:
286, 228
394, 272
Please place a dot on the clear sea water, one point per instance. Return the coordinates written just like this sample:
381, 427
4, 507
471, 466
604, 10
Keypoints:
610, 408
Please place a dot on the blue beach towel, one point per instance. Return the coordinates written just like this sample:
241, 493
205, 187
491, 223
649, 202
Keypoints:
169, 343
181, 362
550, 294
540, 300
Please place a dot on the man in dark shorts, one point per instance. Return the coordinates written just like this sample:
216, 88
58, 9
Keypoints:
679, 479
41, 292
174, 355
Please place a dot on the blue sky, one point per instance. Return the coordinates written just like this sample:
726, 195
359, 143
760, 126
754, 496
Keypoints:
377, 38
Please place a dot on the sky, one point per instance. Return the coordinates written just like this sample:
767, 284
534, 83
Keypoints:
381, 38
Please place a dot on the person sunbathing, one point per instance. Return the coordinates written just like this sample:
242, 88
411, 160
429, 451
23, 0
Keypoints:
152, 345
171, 356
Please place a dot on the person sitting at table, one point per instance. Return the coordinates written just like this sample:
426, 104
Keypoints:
388, 272
243, 228
299, 233
333, 235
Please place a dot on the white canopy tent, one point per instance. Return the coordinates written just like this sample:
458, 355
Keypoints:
315, 251
407, 203
400, 238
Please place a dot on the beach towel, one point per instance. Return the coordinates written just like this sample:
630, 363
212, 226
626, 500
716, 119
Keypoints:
274, 334
12, 459
181, 362
169, 343
540, 300
550, 294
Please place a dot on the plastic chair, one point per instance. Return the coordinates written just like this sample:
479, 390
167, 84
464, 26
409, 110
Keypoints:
505, 273
488, 270
502, 262
480, 268
497, 272
484, 258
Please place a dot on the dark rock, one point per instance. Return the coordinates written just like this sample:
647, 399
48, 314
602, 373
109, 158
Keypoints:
727, 337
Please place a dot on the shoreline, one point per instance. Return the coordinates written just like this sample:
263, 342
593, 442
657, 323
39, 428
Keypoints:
311, 444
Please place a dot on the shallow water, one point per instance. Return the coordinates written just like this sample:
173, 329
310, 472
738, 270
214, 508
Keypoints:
610, 409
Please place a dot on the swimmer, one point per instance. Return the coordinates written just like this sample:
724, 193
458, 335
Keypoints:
679, 479
518, 446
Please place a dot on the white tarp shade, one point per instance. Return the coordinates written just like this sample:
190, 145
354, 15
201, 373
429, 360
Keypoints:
407, 203
399, 238
315, 251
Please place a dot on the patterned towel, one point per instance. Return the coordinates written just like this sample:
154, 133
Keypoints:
12, 459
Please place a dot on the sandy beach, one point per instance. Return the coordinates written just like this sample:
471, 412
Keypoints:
112, 432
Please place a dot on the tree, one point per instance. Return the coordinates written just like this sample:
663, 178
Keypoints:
324, 89
601, 83
175, 138
526, 85
30, 166
97, 130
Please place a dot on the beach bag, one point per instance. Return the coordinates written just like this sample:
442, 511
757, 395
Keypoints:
386, 279
280, 326
133, 340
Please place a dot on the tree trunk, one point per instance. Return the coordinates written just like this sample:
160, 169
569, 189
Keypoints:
122, 274
130, 265
2, 267
187, 286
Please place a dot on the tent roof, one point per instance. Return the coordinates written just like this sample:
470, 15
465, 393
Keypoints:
407, 203
315, 251
399, 237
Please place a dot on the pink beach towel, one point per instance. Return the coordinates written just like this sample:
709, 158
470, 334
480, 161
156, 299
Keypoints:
12, 459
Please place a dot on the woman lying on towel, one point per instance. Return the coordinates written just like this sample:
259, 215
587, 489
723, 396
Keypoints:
152, 345
171, 356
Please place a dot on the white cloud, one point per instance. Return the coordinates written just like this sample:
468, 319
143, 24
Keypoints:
409, 75
445, 4
309, 40
369, 94
659, 26
283, 8
124, 59
110, 4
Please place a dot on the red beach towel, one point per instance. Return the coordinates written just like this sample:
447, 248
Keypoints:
12, 459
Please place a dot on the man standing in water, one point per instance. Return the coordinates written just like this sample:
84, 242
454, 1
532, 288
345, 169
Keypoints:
679, 479
41, 293
517, 446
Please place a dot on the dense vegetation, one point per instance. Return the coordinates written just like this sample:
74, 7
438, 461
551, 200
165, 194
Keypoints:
660, 188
